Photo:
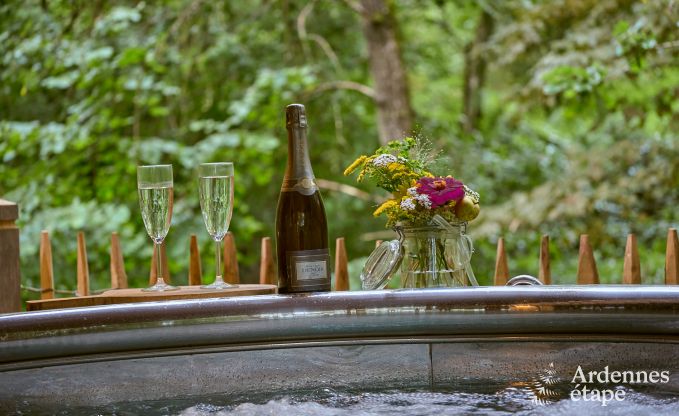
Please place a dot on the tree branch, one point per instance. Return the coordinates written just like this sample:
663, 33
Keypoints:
188, 11
380, 29
345, 85
354, 5
347, 190
475, 72
301, 27
327, 49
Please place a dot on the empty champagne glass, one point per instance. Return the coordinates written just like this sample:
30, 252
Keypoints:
154, 183
215, 189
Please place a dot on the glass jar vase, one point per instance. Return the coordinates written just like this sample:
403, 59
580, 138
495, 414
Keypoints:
434, 256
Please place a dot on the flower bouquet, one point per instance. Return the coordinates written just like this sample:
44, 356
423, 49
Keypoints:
428, 212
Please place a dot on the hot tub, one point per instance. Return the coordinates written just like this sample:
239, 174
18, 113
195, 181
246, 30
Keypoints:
430, 339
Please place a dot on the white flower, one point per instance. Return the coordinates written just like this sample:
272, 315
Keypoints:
383, 160
408, 204
423, 199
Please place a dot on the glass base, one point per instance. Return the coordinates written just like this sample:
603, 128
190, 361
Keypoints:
219, 285
163, 287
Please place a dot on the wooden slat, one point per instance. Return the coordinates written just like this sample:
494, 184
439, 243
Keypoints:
230, 260
501, 266
166, 270
136, 295
195, 272
587, 271
118, 275
544, 272
631, 271
341, 266
266, 265
46, 267
10, 274
672, 258
83, 272
9, 211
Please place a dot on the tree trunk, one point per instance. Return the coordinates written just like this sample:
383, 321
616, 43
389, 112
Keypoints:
394, 115
475, 72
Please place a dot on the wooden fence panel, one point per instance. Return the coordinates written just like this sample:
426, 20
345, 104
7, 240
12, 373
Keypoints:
341, 265
544, 271
587, 271
631, 270
501, 268
10, 275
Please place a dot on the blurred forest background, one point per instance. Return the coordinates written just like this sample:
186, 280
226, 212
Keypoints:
562, 114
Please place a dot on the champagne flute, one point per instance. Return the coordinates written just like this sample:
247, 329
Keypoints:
215, 189
154, 183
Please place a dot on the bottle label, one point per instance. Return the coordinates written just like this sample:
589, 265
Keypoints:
308, 267
305, 186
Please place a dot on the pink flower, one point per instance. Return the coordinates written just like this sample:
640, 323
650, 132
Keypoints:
441, 190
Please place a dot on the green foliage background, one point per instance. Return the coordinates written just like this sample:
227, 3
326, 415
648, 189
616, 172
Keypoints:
578, 133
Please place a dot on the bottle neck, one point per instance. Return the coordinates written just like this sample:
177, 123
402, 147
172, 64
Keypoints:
299, 175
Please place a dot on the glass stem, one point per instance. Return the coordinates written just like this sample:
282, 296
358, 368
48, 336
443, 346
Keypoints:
433, 267
218, 261
159, 265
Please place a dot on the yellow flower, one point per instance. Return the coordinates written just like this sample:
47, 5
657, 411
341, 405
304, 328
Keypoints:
385, 206
395, 168
406, 175
401, 192
355, 165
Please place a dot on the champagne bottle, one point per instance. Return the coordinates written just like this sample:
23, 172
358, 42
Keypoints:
301, 225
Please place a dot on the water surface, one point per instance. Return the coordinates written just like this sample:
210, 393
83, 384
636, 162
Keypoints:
476, 400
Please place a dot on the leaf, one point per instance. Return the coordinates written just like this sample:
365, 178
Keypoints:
159, 111
61, 82
620, 28
131, 56
99, 54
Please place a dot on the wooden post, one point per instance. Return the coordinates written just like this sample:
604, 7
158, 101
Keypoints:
166, 270
46, 267
195, 272
672, 258
266, 266
341, 266
230, 260
83, 272
10, 275
587, 271
545, 272
631, 271
118, 275
501, 267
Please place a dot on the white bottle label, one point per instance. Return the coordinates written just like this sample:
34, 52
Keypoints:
308, 270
